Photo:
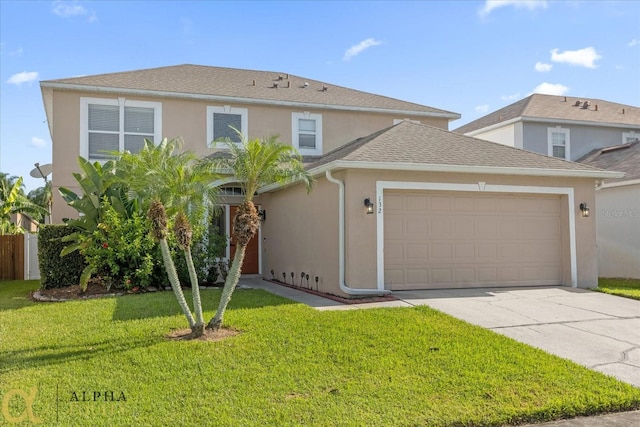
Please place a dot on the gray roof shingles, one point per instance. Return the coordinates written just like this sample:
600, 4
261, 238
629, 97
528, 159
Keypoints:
559, 108
239, 83
416, 143
621, 158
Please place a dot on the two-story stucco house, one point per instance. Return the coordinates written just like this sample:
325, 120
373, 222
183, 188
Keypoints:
590, 131
399, 202
558, 126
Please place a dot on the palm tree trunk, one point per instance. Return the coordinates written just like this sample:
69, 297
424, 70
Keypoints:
198, 328
233, 277
175, 283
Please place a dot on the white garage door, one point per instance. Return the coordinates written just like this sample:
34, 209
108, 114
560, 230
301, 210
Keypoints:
460, 240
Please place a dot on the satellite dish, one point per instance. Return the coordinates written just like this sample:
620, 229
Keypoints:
41, 171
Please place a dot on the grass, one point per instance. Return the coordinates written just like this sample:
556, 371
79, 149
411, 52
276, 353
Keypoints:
291, 365
629, 288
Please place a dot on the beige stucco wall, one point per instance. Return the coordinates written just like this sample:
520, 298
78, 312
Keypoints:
361, 228
301, 234
187, 119
618, 231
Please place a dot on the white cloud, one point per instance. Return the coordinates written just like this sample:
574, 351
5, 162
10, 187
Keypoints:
359, 48
482, 108
551, 89
582, 57
23, 77
542, 67
66, 9
490, 5
634, 42
38, 142
511, 97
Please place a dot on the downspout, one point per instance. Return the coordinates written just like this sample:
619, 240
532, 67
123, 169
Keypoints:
341, 245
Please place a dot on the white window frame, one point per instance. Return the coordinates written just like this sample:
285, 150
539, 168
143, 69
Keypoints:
120, 102
631, 135
567, 141
295, 132
226, 109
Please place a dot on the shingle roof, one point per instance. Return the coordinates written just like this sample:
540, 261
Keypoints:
559, 108
247, 84
622, 158
414, 143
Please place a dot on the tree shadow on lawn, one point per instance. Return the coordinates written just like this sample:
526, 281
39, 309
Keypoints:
48, 355
164, 304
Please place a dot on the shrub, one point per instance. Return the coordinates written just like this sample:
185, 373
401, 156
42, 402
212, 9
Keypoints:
121, 250
57, 271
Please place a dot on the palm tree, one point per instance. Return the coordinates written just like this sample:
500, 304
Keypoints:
253, 163
13, 201
42, 196
180, 186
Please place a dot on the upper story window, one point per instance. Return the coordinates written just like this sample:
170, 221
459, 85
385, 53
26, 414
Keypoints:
559, 142
117, 125
222, 120
628, 137
306, 130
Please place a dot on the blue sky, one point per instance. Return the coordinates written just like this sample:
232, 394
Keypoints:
470, 57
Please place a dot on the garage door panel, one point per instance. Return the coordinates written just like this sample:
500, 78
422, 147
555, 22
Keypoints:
463, 227
419, 252
440, 227
416, 226
487, 251
441, 251
416, 203
486, 227
465, 250
441, 240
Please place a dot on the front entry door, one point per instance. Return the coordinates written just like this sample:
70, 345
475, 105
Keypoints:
250, 265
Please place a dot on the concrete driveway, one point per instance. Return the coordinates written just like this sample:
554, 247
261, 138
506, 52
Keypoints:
596, 330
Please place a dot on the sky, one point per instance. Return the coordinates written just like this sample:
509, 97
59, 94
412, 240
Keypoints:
469, 57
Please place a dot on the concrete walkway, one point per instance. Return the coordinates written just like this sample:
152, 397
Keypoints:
596, 330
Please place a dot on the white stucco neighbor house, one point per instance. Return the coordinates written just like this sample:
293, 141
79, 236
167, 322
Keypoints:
618, 210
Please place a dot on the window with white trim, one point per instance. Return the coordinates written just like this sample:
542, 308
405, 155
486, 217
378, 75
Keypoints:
559, 142
222, 120
306, 131
628, 137
117, 125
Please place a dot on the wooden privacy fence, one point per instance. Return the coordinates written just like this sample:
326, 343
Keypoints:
12, 257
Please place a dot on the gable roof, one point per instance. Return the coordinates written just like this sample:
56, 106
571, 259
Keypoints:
419, 147
559, 109
238, 85
624, 158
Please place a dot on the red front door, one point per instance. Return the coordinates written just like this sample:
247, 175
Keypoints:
250, 265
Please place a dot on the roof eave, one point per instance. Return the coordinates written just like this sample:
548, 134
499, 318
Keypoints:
427, 167
242, 100
556, 121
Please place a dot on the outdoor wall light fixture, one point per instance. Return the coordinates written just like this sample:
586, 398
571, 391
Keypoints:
262, 214
369, 205
585, 210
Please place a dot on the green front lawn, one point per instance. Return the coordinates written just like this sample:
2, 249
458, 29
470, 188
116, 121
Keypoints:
291, 365
629, 288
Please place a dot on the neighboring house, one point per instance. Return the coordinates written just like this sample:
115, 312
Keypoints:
25, 222
443, 210
618, 210
558, 126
